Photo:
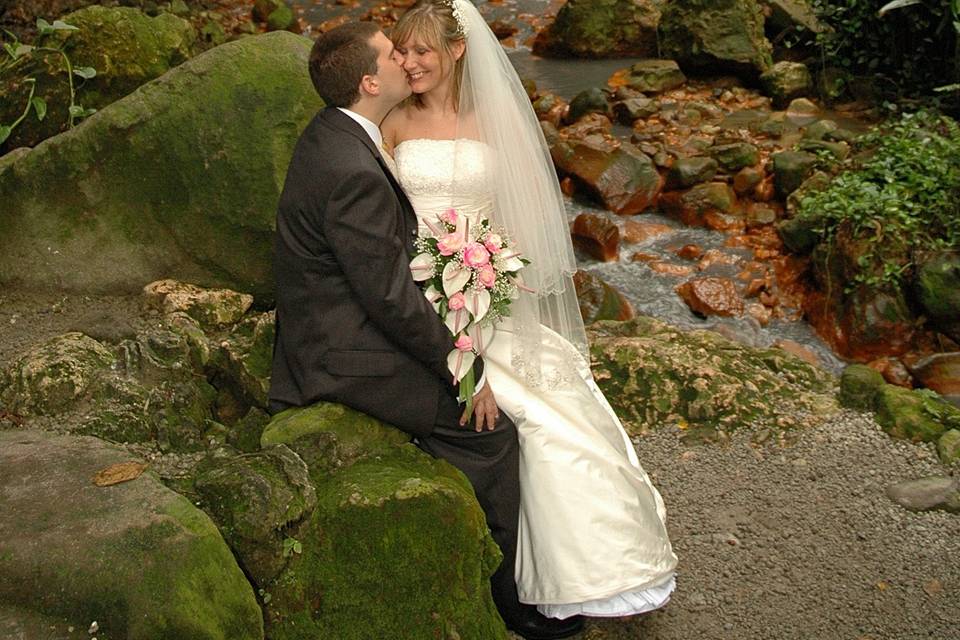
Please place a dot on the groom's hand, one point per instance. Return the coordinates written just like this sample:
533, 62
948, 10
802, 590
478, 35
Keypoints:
485, 410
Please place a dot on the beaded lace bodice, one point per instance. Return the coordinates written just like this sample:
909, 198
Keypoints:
441, 174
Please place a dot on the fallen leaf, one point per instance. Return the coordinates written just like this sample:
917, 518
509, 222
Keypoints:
882, 585
933, 587
117, 473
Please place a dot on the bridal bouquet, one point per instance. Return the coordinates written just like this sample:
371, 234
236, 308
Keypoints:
470, 277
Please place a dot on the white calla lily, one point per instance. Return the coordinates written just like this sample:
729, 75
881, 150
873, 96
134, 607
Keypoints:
478, 302
454, 278
457, 320
482, 335
459, 363
509, 263
422, 267
433, 297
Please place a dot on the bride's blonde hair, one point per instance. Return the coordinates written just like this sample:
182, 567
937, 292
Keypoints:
433, 22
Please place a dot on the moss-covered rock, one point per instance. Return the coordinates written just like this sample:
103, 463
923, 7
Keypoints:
858, 386
598, 300
254, 498
209, 307
790, 169
244, 358
592, 100
136, 557
601, 29
937, 286
687, 172
948, 446
914, 415
125, 46
785, 81
179, 179
735, 155
654, 374
55, 375
654, 75
716, 34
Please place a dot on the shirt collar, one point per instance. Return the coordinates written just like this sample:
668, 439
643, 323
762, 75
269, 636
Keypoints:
372, 130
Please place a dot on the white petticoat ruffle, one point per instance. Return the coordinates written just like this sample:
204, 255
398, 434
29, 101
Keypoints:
622, 604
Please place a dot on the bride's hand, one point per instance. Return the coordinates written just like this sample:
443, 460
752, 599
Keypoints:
485, 409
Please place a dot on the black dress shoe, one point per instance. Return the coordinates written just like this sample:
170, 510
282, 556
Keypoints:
533, 625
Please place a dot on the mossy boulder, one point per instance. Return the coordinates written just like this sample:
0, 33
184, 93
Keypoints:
790, 169
602, 29
54, 375
734, 156
716, 34
654, 75
126, 47
397, 546
917, 415
948, 446
858, 386
244, 358
592, 100
136, 557
655, 375
598, 300
687, 172
937, 286
211, 308
785, 81
180, 179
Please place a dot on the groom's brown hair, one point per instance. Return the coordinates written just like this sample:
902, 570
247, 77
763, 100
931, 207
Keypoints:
339, 60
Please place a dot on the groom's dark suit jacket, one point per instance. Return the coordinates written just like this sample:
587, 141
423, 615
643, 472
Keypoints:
352, 325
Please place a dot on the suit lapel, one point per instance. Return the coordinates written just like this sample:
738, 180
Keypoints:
339, 120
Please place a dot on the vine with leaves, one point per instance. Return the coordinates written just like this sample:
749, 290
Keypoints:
14, 60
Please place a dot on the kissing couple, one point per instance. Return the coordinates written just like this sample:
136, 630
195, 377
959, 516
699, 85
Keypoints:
432, 120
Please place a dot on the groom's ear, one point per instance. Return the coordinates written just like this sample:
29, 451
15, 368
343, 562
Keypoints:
370, 85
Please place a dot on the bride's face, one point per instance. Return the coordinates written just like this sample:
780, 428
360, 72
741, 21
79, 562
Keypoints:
427, 68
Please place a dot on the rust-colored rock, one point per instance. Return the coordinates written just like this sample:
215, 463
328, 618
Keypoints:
600, 301
690, 252
940, 372
692, 205
747, 179
797, 349
670, 269
711, 297
765, 190
636, 232
567, 186
759, 313
640, 256
715, 256
893, 371
597, 236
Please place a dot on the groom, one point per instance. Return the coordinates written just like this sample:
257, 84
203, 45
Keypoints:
352, 326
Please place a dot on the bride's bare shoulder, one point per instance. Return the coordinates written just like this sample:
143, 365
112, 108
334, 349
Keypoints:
395, 126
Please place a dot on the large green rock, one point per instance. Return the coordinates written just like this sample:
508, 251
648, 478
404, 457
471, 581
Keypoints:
179, 179
937, 285
598, 300
602, 29
397, 546
136, 557
914, 415
125, 46
858, 386
654, 75
786, 80
790, 169
654, 375
716, 34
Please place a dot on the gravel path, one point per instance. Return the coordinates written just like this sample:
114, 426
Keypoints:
800, 541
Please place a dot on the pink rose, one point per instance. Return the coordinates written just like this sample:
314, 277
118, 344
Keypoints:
450, 244
464, 343
449, 216
487, 276
475, 255
493, 243
457, 301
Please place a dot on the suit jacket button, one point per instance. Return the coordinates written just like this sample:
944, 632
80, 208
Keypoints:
414, 233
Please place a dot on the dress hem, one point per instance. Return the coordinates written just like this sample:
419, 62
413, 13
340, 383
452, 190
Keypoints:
609, 593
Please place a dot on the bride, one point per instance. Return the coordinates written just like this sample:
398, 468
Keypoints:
592, 538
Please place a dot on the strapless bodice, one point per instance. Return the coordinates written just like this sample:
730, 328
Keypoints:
441, 174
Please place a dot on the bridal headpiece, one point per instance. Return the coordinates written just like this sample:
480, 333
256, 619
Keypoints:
455, 7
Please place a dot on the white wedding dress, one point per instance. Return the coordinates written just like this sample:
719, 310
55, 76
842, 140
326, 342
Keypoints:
592, 538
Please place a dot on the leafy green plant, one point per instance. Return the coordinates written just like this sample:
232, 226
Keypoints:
901, 199
15, 59
291, 546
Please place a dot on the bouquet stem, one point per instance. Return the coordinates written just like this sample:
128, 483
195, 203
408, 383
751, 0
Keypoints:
467, 387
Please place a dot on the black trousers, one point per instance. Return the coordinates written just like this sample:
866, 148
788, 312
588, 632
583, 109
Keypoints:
490, 460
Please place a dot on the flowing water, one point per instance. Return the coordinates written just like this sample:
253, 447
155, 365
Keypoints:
652, 293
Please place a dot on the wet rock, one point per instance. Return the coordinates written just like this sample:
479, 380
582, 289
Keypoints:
621, 177
820, 129
940, 372
636, 232
687, 172
893, 371
927, 494
839, 150
588, 101
790, 169
798, 234
599, 300
746, 180
785, 81
125, 46
761, 313
795, 348
655, 76
914, 415
136, 557
670, 269
716, 34
759, 214
632, 109
551, 108
598, 236
858, 386
591, 127
816, 182
209, 307
699, 377
802, 111
948, 447
690, 252
937, 286
792, 14
132, 207
694, 205
503, 29
735, 156
55, 375
254, 498
711, 296
601, 29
